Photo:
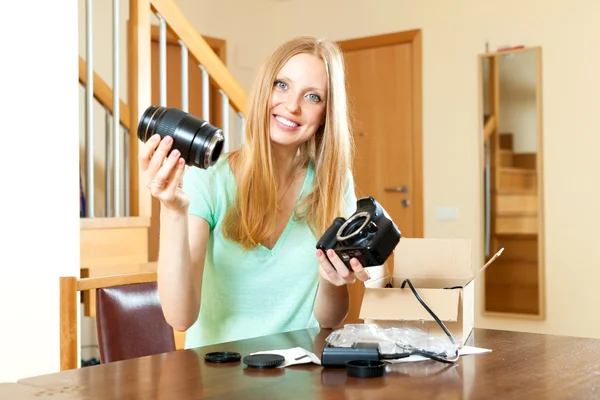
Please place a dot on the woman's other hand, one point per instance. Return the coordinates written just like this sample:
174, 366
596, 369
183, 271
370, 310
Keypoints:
336, 271
163, 175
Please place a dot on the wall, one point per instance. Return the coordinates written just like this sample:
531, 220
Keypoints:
39, 206
518, 106
454, 33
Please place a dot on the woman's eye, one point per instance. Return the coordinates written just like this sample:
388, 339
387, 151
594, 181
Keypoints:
280, 85
314, 97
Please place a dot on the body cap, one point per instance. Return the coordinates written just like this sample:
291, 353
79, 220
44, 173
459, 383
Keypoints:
365, 368
222, 356
264, 360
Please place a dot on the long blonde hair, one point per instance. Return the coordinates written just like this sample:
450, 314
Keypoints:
251, 219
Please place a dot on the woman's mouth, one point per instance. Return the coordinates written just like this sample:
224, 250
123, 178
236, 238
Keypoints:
285, 123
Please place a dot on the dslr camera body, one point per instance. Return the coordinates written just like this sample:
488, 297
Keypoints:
369, 235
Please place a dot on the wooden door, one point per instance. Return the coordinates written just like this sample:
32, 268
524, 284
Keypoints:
384, 85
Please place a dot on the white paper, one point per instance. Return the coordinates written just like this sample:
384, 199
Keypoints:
468, 350
296, 355
464, 351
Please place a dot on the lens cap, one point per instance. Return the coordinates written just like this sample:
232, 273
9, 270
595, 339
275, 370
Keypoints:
264, 360
222, 356
365, 368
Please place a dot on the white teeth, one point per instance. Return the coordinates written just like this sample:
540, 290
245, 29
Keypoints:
286, 122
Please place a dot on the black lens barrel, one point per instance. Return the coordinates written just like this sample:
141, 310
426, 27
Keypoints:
199, 143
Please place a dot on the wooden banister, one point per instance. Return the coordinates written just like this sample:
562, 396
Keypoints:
490, 127
103, 93
202, 52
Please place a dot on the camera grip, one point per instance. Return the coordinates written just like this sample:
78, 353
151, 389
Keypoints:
329, 239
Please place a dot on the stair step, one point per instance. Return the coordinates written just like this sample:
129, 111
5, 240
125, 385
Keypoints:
506, 158
516, 203
506, 141
512, 272
516, 225
525, 160
522, 299
517, 248
517, 178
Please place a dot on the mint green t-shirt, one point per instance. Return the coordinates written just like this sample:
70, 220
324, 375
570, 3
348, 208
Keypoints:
249, 293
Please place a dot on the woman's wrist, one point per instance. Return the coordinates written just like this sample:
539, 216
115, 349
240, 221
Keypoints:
173, 214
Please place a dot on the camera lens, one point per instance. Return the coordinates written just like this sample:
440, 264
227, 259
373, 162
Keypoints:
199, 143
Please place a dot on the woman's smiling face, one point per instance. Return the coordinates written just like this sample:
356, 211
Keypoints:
298, 100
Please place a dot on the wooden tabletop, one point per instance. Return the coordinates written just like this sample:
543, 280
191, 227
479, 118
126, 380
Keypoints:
520, 366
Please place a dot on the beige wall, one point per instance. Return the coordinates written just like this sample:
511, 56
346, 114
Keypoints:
39, 206
454, 33
518, 78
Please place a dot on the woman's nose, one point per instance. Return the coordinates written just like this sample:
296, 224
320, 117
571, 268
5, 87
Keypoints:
292, 104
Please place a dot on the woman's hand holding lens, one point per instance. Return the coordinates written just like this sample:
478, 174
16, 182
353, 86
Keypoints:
163, 174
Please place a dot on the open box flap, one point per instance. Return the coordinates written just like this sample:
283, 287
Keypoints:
431, 261
394, 304
434, 259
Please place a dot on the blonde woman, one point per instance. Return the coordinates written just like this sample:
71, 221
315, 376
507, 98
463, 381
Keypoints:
237, 253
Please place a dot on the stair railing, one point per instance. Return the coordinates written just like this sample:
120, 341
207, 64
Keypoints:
123, 184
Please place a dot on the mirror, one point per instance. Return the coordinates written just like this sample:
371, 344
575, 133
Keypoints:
511, 137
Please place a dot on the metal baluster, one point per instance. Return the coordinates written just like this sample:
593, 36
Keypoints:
116, 111
487, 191
184, 77
225, 120
107, 163
242, 127
162, 68
205, 93
126, 169
89, 111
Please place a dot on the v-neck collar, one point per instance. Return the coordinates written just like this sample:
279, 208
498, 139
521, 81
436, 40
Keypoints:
291, 220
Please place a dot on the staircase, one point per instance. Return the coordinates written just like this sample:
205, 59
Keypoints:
512, 284
122, 238
516, 192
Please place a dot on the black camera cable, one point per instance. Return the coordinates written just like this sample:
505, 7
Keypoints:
424, 353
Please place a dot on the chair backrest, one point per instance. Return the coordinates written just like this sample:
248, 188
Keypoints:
131, 323
128, 314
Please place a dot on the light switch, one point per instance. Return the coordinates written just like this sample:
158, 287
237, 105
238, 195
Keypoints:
446, 213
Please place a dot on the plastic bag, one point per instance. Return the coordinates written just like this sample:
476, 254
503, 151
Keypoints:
394, 340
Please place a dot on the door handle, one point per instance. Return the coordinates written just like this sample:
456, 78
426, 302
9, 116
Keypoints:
398, 189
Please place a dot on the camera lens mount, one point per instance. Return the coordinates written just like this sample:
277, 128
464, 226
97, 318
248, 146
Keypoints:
350, 220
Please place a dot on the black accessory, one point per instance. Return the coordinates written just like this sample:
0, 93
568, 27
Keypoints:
365, 368
369, 235
336, 357
222, 356
264, 360
199, 143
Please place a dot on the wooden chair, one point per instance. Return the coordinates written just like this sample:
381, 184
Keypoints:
130, 322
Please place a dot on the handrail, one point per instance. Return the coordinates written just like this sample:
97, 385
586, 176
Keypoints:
103, 93
490, 126
202, 52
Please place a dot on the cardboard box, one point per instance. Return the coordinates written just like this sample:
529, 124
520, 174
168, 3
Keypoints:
442, 272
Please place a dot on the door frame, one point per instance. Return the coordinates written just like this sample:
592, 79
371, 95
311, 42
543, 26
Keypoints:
414, 38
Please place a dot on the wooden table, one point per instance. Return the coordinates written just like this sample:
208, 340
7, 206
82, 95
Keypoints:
521, 366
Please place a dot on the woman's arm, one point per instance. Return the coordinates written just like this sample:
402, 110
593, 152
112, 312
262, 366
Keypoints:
333, 297
332, 304
182, 246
